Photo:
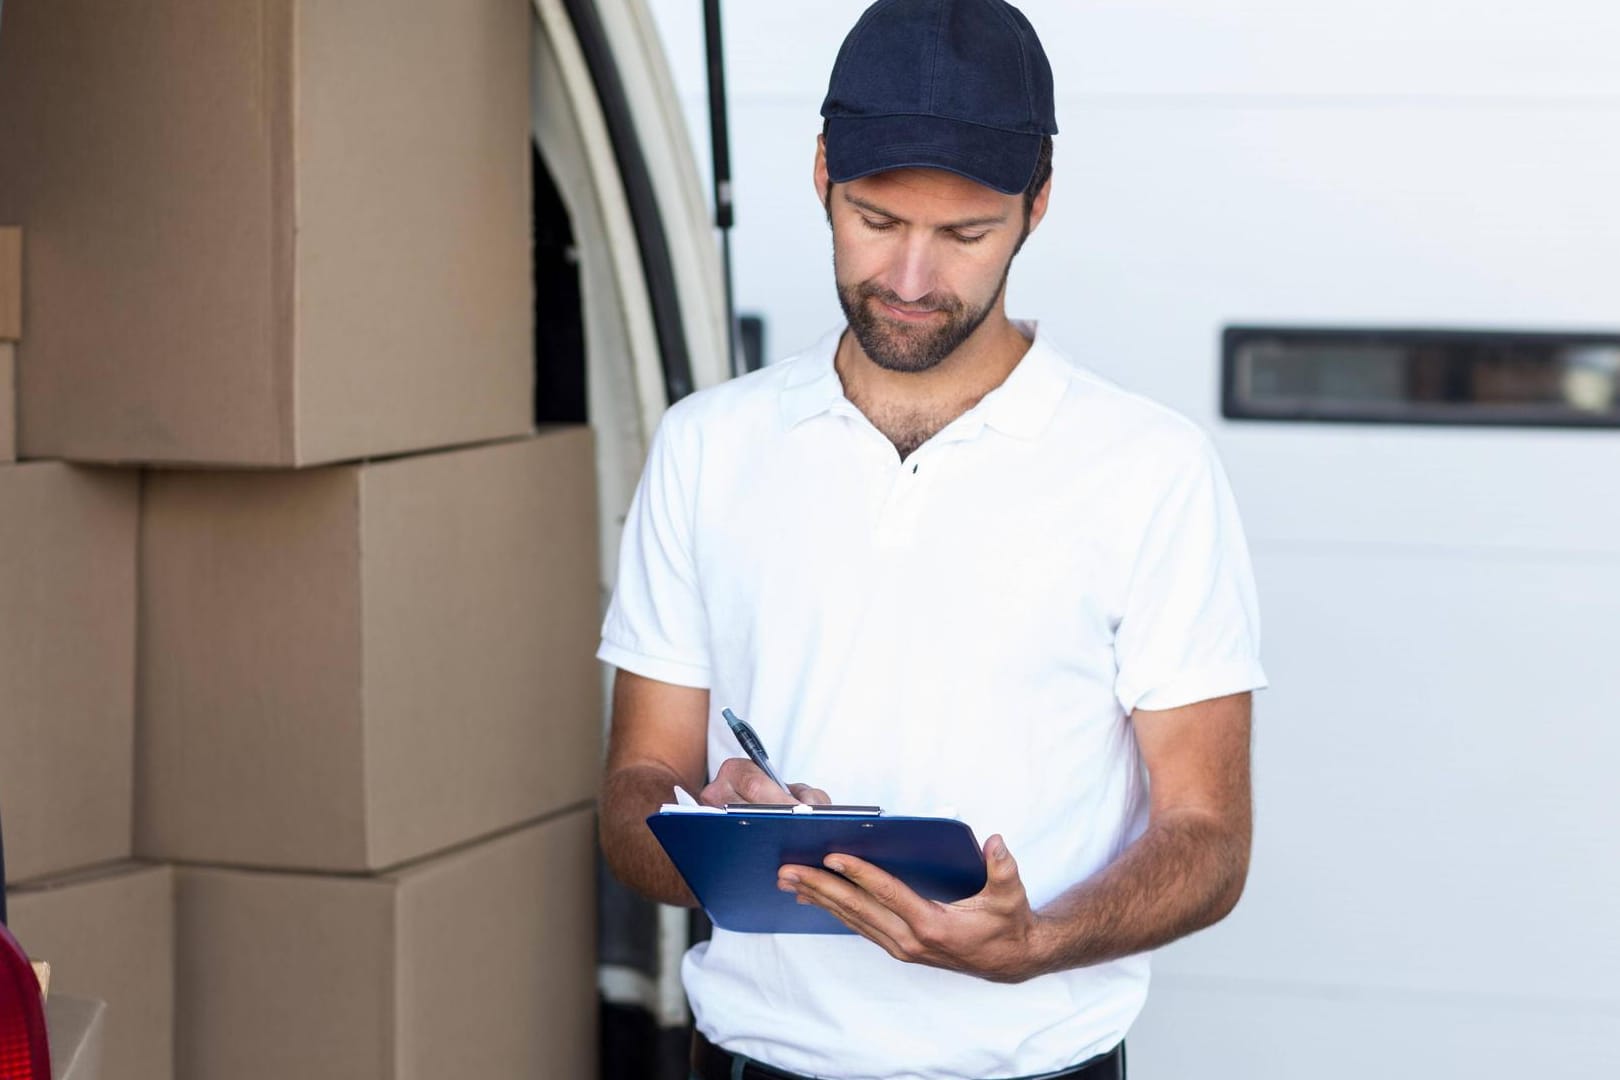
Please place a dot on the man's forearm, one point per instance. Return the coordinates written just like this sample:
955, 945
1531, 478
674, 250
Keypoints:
633, 853
1184, 873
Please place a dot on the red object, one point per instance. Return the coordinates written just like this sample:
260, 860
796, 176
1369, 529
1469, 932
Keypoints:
25, 1052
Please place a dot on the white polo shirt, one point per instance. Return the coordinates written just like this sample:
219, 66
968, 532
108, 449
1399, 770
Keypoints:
963, 632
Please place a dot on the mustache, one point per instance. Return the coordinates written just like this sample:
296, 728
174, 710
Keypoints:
945, 302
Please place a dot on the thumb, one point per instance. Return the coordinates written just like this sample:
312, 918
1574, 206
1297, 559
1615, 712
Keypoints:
1000, 868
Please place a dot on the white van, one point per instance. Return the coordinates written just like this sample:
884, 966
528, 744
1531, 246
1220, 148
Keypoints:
1433, 887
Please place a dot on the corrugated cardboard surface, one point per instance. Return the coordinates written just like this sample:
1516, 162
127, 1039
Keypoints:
111, 935
269, 233
481, 616
480, 963
77, 1029
251, 736
10, 282
8, 402
155, 249
347, 668
283, 975
414, 280
67, 665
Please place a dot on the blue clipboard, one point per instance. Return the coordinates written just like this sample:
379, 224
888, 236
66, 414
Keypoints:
730, 861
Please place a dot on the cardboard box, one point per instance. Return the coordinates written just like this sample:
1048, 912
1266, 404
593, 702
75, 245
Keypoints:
67, 665
110, 935
77, 1029
476, 964
273, 233
10, 283
349, 667
8, 402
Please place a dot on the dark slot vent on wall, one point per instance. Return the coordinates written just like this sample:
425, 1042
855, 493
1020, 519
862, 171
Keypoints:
1430, 376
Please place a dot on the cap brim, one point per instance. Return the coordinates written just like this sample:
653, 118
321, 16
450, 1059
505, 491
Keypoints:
859, 146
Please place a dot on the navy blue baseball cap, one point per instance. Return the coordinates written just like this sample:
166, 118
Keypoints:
962, 85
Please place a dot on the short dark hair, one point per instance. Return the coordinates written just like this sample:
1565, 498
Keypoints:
1043, 173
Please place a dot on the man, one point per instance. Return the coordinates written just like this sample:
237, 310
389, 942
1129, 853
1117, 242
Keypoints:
941, 569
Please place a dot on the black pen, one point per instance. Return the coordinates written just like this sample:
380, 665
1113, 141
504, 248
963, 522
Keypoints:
751, 745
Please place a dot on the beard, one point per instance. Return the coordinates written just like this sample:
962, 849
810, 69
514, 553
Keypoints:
911, 347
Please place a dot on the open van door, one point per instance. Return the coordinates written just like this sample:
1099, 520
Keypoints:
630, 316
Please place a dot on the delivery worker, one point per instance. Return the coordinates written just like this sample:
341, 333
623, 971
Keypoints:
943, 569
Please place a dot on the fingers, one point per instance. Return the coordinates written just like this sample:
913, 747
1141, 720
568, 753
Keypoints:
990, 934
807, 794
850, 905
888, 890
721, 790
872, 902
755, 787
741, 781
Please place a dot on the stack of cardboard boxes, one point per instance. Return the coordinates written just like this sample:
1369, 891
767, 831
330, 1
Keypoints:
10, 331
67, 730
307, 628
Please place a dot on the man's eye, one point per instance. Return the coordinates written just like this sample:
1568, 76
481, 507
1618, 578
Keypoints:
968, 238
877, 226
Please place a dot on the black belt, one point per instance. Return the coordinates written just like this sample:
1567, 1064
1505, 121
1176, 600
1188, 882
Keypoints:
709, 1062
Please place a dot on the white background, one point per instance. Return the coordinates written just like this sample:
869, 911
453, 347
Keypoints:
1436, 880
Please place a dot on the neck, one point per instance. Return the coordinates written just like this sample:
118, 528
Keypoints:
978, 366
909, 407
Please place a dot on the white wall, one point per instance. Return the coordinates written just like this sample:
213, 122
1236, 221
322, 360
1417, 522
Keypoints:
1435, 882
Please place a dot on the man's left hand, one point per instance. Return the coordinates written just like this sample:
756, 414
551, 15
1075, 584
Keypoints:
992, 934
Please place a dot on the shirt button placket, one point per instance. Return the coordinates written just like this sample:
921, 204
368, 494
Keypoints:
897, 527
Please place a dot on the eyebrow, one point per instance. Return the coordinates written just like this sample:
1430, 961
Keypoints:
966, 223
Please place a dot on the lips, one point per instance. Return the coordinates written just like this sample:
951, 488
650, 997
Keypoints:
904, 315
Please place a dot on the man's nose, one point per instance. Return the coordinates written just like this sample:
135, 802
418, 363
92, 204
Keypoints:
912, 276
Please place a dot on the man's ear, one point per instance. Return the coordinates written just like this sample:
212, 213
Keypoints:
819, 174
1037, 209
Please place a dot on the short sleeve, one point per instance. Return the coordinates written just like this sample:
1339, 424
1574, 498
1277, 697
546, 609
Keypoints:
1190, 628
655, 624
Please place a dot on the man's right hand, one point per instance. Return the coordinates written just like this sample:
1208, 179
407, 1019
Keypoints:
741, 781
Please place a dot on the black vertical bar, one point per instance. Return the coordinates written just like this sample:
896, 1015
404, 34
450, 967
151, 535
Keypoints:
656, 261
560, 380
751, 339
720, 142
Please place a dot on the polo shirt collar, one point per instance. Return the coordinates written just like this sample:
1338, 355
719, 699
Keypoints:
1026, 399
813, 386
1021, 406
